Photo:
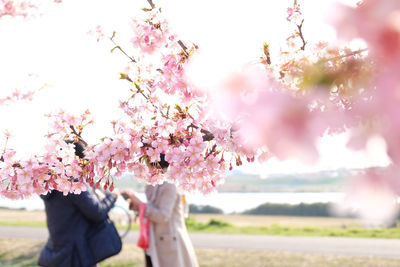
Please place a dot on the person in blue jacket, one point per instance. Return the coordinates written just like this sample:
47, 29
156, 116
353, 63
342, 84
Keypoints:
69, 218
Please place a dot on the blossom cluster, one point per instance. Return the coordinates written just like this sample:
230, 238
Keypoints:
21, 8
279, 107
58, 168
16, 96
16, 8
311, 91
165, 114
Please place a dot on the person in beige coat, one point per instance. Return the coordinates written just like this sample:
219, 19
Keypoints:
169, 242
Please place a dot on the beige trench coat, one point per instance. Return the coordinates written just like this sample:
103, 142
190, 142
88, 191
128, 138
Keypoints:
169, 242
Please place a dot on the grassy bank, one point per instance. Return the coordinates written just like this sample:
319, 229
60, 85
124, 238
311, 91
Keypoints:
241, 224
23, 253
222, 227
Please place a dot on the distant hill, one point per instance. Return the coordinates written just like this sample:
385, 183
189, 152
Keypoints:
302, 209
324, 181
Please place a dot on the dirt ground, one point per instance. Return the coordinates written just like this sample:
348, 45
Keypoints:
22, 252
22, 215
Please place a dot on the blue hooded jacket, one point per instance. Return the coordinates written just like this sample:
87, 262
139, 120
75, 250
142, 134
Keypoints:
68, 220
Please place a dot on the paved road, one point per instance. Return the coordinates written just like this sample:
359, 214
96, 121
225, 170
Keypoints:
387, 248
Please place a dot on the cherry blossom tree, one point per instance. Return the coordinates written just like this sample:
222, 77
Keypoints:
276, 107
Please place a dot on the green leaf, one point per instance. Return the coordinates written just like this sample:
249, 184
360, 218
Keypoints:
113, 35
137, 85
116, 47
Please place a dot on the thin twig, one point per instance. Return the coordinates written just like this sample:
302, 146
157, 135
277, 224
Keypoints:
211, 151
140, 91
299, 27
78, 135
184, 48
5, 147
208, 136
193, 126
151, 4
120, 49
343, 56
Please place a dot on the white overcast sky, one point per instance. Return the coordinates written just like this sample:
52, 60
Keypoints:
83, 74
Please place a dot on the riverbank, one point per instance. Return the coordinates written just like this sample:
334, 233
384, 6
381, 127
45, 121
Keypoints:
234, 202
240, 224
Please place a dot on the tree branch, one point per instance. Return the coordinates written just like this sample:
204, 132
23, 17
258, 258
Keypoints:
343, 56
299, 27
211, 151
151, 4
119, 48
208, 136
78, 135
140, 91
184, 48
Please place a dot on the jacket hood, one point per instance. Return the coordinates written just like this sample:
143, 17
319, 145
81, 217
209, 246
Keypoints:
47, 196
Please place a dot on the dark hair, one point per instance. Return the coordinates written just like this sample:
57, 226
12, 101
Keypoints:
162, 163
79, 148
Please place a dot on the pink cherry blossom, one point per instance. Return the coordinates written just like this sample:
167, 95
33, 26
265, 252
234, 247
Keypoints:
373, 195
15, 8
272, 108
148, 36
377, 23
153, 154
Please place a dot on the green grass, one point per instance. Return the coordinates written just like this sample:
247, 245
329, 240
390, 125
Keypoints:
43, 224
134, 227
222, 227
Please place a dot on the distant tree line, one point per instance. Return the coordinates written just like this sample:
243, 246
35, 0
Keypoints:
204, 209
302, 209
315, 209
